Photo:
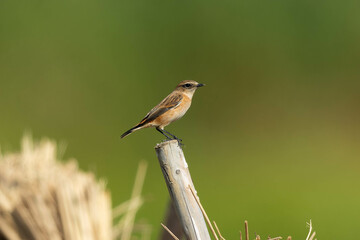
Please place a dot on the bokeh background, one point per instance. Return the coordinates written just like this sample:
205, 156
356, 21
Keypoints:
273, 138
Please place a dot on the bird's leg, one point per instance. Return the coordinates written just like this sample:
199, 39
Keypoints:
172, 135
162, 132
176, 138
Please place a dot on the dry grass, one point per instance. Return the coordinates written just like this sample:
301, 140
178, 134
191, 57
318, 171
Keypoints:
42, 198
310, 236
168, 230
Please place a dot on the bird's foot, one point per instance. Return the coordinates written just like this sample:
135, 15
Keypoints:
179, 141
180, 144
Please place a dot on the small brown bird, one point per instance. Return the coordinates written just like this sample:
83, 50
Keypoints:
172, 108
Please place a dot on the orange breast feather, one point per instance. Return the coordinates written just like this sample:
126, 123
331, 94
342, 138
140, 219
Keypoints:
173, 114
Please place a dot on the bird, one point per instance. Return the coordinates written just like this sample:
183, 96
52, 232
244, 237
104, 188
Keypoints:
172, 108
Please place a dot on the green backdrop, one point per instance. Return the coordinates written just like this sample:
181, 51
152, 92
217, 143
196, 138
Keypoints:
273, 138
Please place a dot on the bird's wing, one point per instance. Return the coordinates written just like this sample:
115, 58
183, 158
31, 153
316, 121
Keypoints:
170, 102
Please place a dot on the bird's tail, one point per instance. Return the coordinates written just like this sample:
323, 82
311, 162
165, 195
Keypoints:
137, 127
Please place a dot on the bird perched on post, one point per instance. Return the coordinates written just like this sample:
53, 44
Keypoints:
172, 108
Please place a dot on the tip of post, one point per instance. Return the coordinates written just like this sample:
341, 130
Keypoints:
167, 142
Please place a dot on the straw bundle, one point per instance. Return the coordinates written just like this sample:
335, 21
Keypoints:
41, 198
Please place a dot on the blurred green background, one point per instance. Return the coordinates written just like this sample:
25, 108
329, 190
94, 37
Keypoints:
274, 138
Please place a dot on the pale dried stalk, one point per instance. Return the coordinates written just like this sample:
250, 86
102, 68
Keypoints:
312, 236
168, 230
217, 229
204, 213
246, 231
257, 237
129, 210
130, 216
310, 230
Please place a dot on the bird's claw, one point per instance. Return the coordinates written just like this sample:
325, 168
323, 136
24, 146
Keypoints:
180, 144
179, 141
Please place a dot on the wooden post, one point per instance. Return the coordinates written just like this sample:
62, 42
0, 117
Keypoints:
178, 179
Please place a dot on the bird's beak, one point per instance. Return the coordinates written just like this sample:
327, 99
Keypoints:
200, 85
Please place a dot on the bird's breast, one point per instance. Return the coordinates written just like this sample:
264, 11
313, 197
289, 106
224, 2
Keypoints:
175, 113
180, 110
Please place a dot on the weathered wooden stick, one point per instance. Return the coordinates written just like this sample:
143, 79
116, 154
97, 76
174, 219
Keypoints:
177, 178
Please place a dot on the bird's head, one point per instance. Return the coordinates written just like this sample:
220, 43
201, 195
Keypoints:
188, 87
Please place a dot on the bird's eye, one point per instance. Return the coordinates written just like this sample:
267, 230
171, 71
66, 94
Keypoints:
187, 85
